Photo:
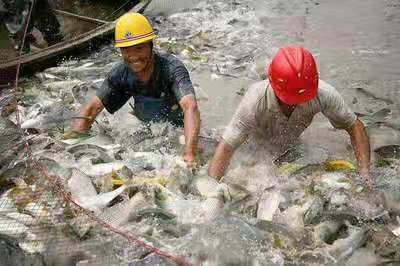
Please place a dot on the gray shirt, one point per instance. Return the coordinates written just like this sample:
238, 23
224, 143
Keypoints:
259, 115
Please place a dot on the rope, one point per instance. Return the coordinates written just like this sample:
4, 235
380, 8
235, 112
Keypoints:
118, 9
57, 185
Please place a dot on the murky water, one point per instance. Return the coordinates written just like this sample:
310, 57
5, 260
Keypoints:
356, 44
226, 46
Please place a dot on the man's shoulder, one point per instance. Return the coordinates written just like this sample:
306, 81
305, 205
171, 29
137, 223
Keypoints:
167, 57
258, 89
328, 95
325, 89
169, 61
118, 70
327, 92
255, 94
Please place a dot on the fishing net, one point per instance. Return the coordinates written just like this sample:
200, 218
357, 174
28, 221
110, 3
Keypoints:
40, 223
89, 200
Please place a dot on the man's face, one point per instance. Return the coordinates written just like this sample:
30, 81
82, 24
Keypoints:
138, 57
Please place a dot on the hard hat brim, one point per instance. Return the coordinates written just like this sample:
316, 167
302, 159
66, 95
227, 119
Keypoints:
128, 43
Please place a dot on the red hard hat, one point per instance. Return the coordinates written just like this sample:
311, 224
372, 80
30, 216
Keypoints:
293, 75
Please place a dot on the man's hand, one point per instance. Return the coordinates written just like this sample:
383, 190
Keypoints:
189, 159
360, 142
90, 110
191, 128
367, 179
221, 159
75, 135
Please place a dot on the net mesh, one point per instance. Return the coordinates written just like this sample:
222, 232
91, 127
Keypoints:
40, 224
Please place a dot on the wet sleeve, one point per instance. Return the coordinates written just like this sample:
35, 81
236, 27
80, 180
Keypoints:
112, 93
243, 121
336, 110
181, 83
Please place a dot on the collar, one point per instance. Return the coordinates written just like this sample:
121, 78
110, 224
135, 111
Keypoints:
272, 101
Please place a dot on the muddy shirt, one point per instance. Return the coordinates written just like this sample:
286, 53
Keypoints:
169, 82
260, 116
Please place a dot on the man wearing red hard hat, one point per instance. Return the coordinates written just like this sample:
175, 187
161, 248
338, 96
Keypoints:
283, 107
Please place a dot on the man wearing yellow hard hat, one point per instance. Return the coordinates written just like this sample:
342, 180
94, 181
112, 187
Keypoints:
159, 83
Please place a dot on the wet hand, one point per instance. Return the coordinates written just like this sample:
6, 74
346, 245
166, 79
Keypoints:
190, 160
368, 180
75, 135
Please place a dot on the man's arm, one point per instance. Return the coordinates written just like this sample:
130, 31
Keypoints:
342, 117
360, 142
241, 124
191, 127
221, 159
90, 110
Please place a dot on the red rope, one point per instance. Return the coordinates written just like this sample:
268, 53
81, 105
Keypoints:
57, 185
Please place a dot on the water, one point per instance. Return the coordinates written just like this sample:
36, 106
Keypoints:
226, 46
356, 47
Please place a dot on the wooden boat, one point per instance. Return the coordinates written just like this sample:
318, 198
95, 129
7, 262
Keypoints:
99, 31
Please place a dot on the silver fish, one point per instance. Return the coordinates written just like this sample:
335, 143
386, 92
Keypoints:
62, 85
82, 92
101, 169
303, 155
121, 213
326, 231
92, 152
12, 228
49, 116
314, 211
343, 248
268, 205
83, 192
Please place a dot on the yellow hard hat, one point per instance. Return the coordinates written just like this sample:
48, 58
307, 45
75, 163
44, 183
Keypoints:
132, 29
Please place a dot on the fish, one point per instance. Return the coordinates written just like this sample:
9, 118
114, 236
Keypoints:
207, 187
62, 85
150, 259
374, 118
339, 250
214, 197
9, 134
32, 244
345, 247
333, 181
139, 161
360, 206
83, 92
90, 152
314, 212
268, 205
20, 234
12, 228
388, 152
302, 155
25, 219
180, 179
339, 165
83, 192
39, 211
7, 204
279, 235
47, 76
124, 212
293, 216
49, 116
138, 181
396, 231
326, 231
226, 241
102, 169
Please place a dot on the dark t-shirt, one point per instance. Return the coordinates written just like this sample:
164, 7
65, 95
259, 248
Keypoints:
169, 82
